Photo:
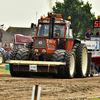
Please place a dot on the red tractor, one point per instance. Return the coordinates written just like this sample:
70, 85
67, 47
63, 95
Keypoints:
53, 50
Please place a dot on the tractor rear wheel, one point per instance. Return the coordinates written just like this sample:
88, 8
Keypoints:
19, 54
13, 57
81, 60
23, 54
26, 54
29, 45
13, 54
68, 70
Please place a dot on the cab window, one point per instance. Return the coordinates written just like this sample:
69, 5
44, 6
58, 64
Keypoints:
7, 45
43, 30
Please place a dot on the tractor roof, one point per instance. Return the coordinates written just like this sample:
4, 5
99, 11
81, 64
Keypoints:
56, 16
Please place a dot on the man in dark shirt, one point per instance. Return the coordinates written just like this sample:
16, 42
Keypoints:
98, 33
88, 34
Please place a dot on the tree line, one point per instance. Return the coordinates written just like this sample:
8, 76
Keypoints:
80, 15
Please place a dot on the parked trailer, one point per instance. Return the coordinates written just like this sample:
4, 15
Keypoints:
53, 50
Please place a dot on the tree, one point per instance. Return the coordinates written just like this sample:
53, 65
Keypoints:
80, 14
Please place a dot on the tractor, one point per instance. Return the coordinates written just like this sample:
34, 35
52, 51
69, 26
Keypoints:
53, 51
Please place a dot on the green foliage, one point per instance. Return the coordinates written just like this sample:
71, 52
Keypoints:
80, 13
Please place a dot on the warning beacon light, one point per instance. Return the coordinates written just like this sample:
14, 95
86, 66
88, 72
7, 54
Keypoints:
98, 17
41, 17
69, 18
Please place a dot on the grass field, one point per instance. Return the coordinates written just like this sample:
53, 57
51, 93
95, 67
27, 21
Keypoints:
3, 70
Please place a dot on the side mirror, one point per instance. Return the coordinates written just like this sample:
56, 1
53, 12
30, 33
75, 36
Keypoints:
71, 26
32, 25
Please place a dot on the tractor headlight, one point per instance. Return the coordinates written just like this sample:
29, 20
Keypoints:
43, 50
36, 50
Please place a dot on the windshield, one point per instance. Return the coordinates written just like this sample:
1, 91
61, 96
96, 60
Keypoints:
7, 45
43, 30
2, 44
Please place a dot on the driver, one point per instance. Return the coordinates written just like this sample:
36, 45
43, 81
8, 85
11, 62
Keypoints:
56, 34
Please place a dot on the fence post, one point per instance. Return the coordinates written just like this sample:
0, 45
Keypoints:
36, 92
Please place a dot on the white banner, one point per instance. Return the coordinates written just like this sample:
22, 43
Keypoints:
91, 44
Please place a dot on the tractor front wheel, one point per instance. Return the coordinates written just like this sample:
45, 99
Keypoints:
68, 70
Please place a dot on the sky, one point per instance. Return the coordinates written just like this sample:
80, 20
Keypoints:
21, 13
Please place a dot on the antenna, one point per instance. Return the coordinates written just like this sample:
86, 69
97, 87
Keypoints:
36, 18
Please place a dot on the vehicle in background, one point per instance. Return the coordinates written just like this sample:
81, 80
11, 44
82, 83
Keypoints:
6, 45
21, 40
4, 55
5, 50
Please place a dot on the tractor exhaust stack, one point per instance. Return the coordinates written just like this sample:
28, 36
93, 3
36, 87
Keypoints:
51, 26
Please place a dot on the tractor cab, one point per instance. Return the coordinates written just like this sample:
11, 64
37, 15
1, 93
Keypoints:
60, 29
52, 33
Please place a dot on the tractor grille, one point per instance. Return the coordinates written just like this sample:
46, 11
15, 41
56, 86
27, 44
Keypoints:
40, 43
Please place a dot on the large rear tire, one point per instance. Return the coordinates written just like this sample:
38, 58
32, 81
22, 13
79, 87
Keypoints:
81, 60
13, 57
29, 45
19, 54
26, 54
68, 70
22, 54
13, 54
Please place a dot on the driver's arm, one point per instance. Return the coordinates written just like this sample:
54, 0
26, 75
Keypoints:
57, 34
86, 38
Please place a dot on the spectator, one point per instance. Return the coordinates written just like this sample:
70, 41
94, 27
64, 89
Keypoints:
98, 33
88, 34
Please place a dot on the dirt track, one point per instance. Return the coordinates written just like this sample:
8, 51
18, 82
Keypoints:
14, 88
